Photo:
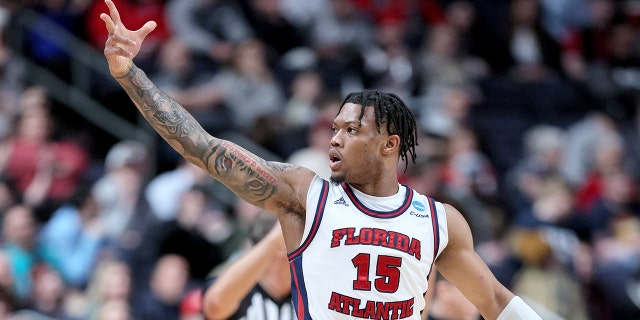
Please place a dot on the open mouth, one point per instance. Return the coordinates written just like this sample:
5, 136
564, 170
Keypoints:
334, 159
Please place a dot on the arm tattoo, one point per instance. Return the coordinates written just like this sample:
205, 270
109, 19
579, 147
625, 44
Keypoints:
249, 176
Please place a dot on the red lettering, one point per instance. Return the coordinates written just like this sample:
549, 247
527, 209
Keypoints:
334, 302
382, 310
366, 235
380, 237
249, 162
392, 239
396, 309
357, 312
402, 243
370, 310
351, 238
346, 302
407, 308
377, 237
414, 248
337, 236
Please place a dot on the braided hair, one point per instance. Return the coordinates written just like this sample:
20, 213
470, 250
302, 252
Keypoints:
390, 110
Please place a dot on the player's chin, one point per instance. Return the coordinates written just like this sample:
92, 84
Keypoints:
337, 178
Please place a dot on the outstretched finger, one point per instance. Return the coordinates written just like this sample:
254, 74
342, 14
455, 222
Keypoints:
108, 22
113, 11
147, 28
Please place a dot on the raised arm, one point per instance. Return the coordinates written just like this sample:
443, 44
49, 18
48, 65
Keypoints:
461, 265
276, 187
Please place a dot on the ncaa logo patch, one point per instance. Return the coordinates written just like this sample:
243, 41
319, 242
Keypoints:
418, 205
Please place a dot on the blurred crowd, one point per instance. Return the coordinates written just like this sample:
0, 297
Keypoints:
529, 121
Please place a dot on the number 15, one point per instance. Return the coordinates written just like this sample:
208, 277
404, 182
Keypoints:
387, 268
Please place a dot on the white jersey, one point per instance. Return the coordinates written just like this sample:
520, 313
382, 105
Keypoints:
365, 257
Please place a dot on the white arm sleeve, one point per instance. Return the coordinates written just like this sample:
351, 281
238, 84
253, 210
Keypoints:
518, 310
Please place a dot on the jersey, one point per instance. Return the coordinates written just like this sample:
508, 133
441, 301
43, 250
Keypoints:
365, 257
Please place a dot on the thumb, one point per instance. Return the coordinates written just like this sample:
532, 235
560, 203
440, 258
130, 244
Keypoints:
147, 28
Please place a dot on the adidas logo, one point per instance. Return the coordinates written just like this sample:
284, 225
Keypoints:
341, 201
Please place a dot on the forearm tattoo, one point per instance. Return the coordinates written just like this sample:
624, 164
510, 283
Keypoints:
246, 174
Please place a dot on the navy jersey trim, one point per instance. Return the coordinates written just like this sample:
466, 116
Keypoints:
299, 299
436, 228
375, 213
436, 233
322, 201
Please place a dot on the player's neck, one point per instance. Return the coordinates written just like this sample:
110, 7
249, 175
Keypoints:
378, 189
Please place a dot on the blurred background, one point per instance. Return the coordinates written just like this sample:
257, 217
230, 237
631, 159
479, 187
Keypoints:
527, 111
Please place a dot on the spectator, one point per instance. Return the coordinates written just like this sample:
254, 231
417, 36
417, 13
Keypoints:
548, 286
19, 230
44, 169
445, 110
608, 154
468, 170
166, 287
270, 24
610, 79
470, 177
199, 233
164, 191
118, 192
48, 293
129, 224
544, 147
462, 16
614, 235
109, 290
75, 236
302, 106
338, 38
180, 75
252, 92
586, 43
580, 143
532, 51
389, 63
210, 28
312, 157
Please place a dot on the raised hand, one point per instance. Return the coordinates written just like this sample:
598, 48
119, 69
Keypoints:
122, 44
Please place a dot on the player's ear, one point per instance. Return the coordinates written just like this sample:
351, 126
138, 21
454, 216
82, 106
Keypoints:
392, 144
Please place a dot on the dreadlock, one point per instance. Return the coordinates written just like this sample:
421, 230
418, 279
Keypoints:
390, 110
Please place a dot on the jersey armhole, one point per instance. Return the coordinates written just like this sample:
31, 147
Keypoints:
443, 233
316, 202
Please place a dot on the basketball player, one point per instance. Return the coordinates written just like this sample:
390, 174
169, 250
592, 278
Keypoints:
360, 246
